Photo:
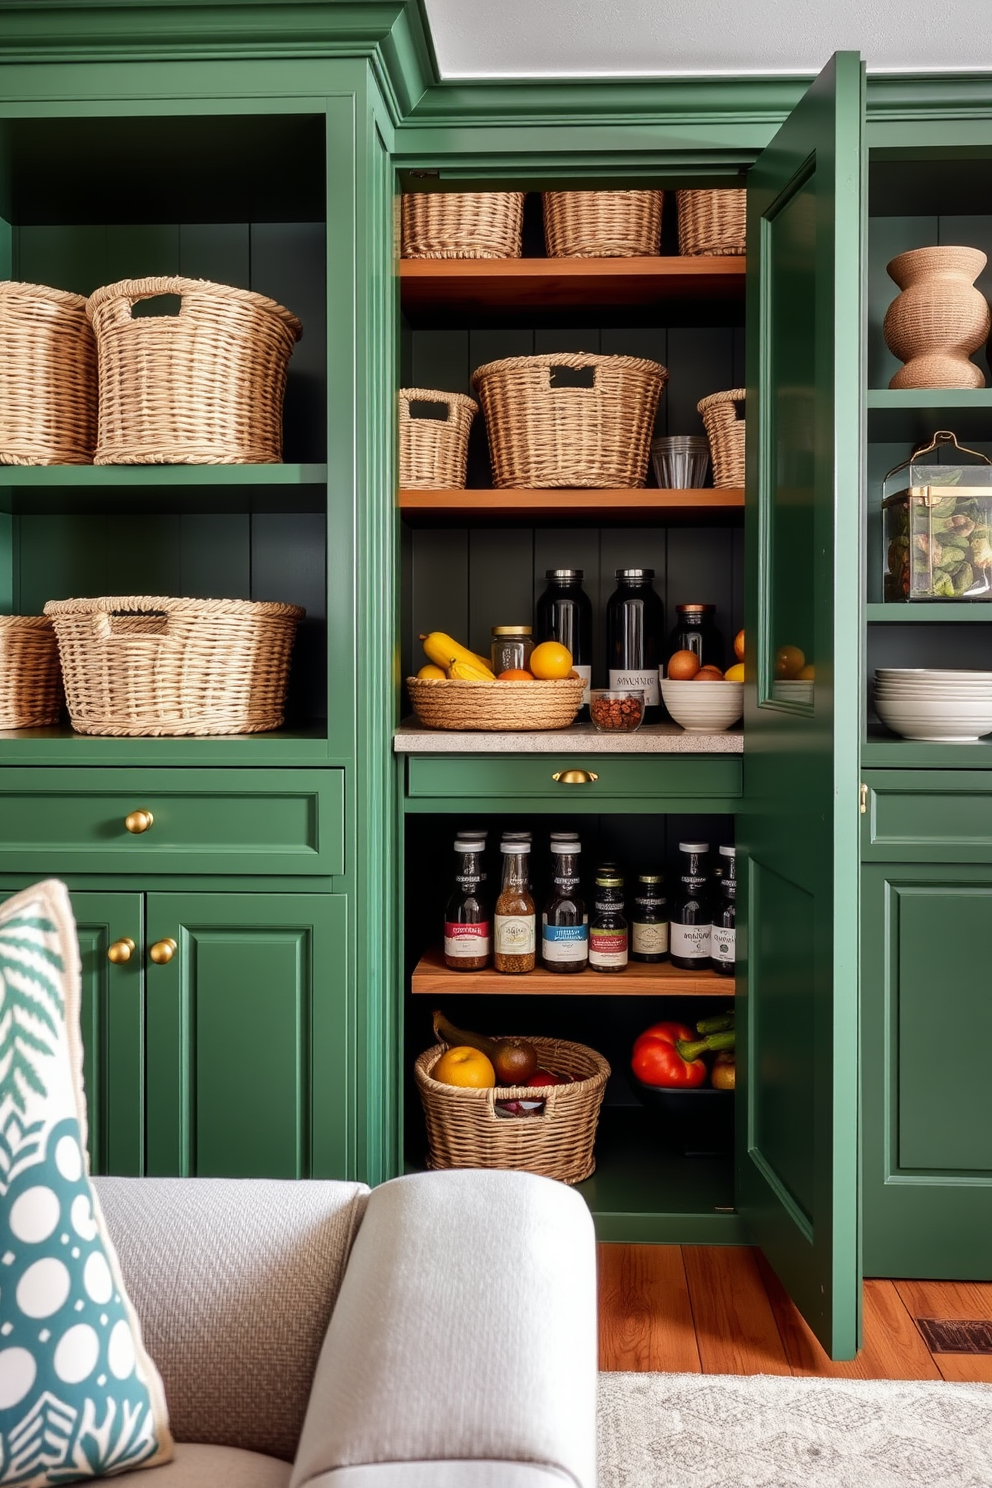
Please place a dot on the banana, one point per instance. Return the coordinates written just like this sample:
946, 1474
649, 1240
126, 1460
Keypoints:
442, 650
432, 672
462, 671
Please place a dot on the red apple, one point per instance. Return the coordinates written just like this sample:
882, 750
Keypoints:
545, 1077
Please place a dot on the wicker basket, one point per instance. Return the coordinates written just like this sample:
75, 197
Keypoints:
143, 667
602, 224
725, 429
462, 224
712, 221
497, 707
434, 452
465, 1129
204, 387
30, 681
543, 435
47, 377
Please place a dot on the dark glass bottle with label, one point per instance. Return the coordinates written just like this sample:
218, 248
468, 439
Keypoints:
634, 629
564, 613
467, 924
649, 919
565, 925
608, 925
694, 630
514, 923
691, 922
723, 939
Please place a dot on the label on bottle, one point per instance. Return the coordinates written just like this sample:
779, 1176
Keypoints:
650, 939
466, 940
585, 672
469, 880
607, 947
646, 681
565, 942
691, 940
723, 945
515, 935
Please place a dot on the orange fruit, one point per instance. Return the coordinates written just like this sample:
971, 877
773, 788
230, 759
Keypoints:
739, 645
789, 661
464, 1066
708, 674
550, 660
808, 673
515, 674
683, 666
734, 673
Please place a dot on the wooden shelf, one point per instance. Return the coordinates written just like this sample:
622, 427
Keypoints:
434, 507
639, 980
487, 287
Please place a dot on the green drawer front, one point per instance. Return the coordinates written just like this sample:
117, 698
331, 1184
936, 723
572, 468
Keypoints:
205, 821
643, 778
928, 816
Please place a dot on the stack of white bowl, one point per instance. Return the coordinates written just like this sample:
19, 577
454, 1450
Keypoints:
925, 703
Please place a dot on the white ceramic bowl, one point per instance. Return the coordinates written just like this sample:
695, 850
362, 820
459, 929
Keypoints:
931, 674
935, 721
792, 690
703, 707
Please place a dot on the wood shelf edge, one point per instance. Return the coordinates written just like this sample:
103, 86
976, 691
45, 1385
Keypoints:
563, 501
431, 976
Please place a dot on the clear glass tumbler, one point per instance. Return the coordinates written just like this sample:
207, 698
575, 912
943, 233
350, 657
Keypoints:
680, 460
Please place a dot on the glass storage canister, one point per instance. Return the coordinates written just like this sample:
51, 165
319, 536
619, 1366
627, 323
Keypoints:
634, 626
938, 527
511, 647
695, 631
563, 613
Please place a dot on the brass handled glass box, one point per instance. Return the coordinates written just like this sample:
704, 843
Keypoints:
938, 527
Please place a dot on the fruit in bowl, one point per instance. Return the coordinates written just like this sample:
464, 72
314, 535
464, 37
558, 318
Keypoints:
703, 707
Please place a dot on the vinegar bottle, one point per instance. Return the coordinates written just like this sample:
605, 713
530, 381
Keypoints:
634, 624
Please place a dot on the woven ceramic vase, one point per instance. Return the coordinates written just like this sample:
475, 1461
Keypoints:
939, 319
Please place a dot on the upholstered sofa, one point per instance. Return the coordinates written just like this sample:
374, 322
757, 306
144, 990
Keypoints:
436, 1332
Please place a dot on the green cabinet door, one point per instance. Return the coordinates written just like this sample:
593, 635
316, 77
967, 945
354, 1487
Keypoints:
798, 831
247, 1035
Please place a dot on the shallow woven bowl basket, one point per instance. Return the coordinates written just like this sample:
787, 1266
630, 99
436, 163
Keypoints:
462, 224
712, 221
30, 681
723, 419
204, 387
47, 377
434, 452
465, 1130
495, 706
146, 666
545, 433
602, 224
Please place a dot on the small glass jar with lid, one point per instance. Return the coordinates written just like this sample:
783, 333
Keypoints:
511, 648
938, 526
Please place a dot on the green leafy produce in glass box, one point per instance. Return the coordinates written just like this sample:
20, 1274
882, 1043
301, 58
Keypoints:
938, 527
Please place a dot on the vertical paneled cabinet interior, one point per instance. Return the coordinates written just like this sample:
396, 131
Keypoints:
217, 938
478, 558
926, 835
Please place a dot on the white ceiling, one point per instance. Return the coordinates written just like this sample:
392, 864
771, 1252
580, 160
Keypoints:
663, 38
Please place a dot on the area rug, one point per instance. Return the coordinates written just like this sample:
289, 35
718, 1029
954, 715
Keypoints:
766, 1431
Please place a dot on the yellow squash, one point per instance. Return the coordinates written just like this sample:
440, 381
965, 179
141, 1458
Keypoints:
463, 671
442, 650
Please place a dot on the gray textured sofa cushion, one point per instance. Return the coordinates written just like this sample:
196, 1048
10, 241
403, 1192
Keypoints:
212, 1467
234, 1281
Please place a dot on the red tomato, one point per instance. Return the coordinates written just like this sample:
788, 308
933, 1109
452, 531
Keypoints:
658, 1062
667, 1033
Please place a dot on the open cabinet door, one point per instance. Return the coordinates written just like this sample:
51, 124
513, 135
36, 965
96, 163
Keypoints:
797, 1170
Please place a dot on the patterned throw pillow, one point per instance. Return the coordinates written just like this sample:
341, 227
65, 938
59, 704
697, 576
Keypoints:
79, 1396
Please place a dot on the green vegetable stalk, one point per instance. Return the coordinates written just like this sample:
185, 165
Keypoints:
712, 1044
719, 1023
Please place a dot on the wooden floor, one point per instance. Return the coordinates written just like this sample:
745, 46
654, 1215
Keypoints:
722, 1310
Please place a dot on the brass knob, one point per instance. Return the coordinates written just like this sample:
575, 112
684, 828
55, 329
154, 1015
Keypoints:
575, 777
163, 951
138, 821
120, 951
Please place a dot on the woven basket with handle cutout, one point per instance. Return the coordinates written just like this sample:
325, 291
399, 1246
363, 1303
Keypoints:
47, 377
434, 452
497, 707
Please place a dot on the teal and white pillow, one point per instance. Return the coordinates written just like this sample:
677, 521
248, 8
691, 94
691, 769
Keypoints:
79, 1396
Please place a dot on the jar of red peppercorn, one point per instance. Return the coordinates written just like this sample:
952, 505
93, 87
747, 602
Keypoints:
616, 710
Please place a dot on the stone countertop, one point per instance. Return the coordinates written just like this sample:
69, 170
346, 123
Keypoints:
653, 738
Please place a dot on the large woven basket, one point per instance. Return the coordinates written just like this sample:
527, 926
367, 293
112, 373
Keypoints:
466, 1130
30, 681
462, 224
204, 387
545, 433
712, 221
434, 452
723, 419
147, 666
47, 377
602, 224
495, 706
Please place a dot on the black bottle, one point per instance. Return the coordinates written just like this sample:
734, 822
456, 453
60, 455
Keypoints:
722, 942
564, 613
608, 925
691, 922
467, 919
565, 924
649, 919
694, 630
634, 627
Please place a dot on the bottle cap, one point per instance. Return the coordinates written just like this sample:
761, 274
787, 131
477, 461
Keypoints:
729, 852
634, 573
694, 847
566, 845
651, 878
469, 844
473, 832
516, 836
526, 630
694, 609
565, 573
607, 873
514, 847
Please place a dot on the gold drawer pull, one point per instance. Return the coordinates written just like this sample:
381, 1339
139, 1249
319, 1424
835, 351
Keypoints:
120, 951
163, 951
138, 821
575, 777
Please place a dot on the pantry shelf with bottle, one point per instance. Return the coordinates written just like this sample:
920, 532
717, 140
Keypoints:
432, 977
478, 505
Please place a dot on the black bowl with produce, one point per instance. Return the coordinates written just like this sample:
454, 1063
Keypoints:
699, 1119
